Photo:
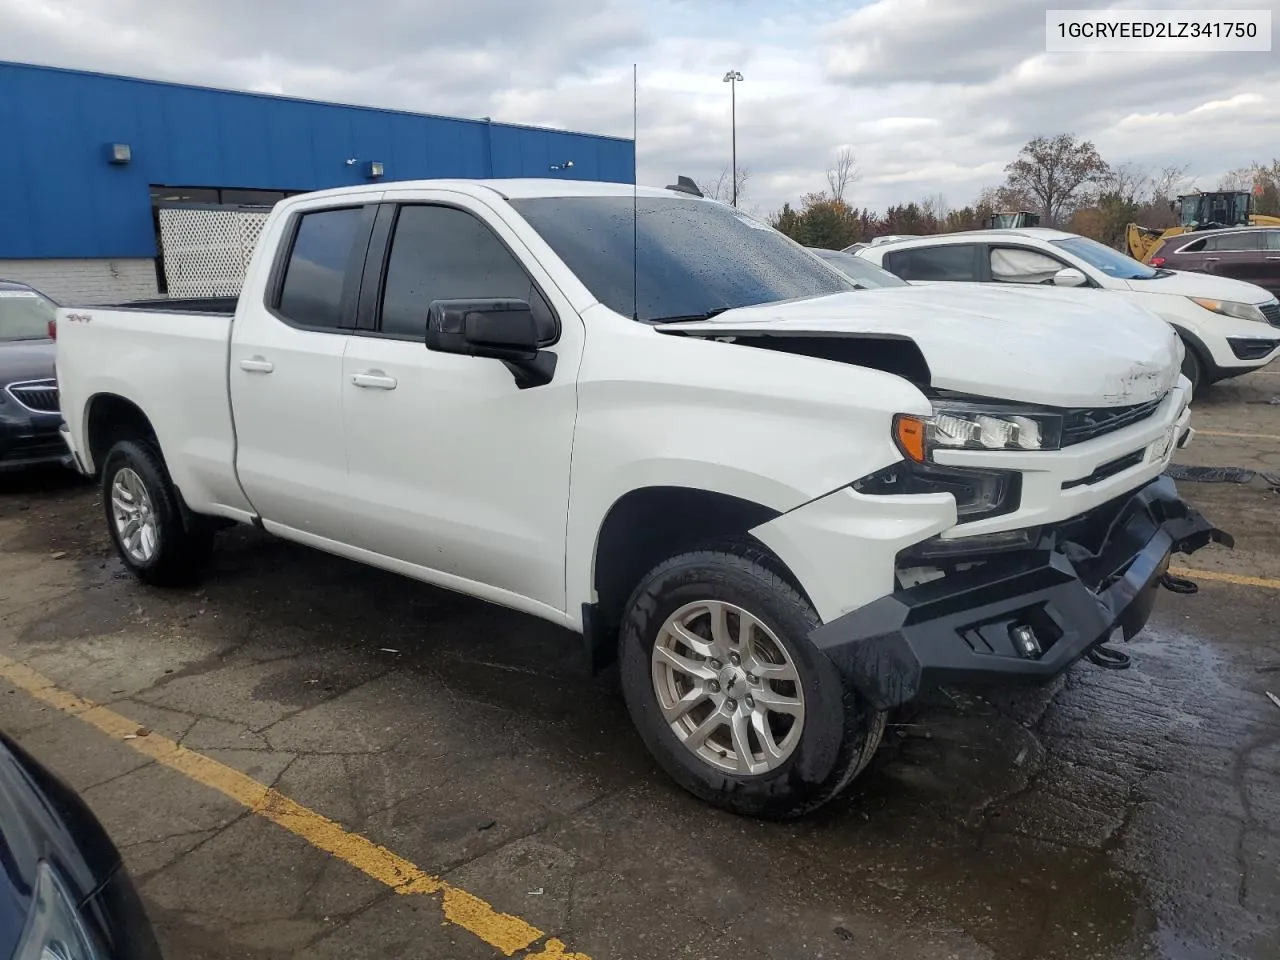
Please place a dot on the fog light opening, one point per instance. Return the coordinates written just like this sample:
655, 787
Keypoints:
1025, 641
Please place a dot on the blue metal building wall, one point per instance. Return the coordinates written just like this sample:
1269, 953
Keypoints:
60, 198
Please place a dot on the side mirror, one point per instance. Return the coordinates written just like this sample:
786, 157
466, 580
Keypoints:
503, 330
1070, 277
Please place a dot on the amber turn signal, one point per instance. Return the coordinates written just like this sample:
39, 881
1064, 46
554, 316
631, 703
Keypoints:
909, 434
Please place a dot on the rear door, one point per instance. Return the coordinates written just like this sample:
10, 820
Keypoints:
943, 262
286, 372
456, 470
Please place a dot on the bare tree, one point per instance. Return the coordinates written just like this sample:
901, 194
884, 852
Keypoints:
1168, 182
935, 205
721, 188
1239, 179
1127, 183
841, 173
1058, 172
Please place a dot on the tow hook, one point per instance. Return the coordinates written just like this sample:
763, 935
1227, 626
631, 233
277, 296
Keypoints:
1178, 584
1112, 659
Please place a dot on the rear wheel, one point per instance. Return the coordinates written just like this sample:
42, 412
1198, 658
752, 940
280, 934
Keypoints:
727, 691
155, 540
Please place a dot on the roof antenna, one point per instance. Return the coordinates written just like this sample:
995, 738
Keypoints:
635, 195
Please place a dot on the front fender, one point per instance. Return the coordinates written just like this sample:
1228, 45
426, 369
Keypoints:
771, 428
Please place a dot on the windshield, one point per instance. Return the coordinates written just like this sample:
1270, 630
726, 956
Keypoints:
24, 315
695, 257
1111, 262
862, 272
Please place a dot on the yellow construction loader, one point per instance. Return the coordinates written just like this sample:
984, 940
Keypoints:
1196, 212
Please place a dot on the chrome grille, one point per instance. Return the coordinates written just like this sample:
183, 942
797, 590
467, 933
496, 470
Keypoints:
38, 396
1085, 424
1272, 312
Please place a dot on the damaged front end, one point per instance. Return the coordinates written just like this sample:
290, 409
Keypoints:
1025, 615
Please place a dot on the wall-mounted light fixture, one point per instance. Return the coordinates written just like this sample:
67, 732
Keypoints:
567, 165
119, 153
373, 169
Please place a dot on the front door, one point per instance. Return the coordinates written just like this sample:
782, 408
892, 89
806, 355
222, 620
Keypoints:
454, 468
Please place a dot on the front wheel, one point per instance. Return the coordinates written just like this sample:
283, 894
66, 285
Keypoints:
154, 539
728, 693
1192, 368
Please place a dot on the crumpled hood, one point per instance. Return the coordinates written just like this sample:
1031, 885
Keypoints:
1187, 284
1025, 345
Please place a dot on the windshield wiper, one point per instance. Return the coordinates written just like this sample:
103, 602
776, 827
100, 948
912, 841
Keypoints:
689, 318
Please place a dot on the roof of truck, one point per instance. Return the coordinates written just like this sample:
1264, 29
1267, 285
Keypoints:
512, 189
1031, 233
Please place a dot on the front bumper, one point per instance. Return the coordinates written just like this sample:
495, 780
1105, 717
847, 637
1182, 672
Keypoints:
1085, 578
30, 439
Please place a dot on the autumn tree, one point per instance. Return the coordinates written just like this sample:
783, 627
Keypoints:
1057, 173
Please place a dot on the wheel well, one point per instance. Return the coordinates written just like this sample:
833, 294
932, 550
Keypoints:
111, 419
642, 529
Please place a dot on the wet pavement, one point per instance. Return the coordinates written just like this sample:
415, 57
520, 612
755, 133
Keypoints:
1112, 814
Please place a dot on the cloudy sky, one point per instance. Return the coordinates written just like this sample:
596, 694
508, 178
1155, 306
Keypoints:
933, 96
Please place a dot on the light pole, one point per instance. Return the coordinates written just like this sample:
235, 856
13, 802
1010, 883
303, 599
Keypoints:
732, 78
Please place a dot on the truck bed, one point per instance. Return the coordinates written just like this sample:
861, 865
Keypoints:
169, 359
214, 306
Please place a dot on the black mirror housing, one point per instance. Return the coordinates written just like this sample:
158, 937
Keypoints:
500, 329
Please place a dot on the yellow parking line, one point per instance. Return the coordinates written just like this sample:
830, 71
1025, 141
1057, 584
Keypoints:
1237, 436
503, 932
1235, 578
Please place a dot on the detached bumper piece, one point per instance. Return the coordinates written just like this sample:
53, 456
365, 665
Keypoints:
1026, 617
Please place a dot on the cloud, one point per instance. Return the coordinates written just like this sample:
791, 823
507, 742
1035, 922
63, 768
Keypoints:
934, 96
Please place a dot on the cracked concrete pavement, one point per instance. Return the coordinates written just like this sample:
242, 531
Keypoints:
1112, 814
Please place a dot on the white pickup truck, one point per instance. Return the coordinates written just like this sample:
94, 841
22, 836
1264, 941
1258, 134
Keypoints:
786, 504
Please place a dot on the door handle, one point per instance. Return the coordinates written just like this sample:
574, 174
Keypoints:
1273, 258
257, 365
1212, 259
374, 380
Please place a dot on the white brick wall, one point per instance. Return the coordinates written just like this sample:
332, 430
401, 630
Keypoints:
86, 282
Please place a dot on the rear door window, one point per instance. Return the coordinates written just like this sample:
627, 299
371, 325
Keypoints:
322, 271
952, 261
1272, 240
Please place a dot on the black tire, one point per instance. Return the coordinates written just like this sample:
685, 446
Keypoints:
183, 542
1192, 367
841, 730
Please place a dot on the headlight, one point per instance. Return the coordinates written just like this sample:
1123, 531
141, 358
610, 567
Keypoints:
1230, 308
53, 930
973, 427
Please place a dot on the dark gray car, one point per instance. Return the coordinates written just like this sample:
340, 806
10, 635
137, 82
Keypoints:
1251, 254
29, 417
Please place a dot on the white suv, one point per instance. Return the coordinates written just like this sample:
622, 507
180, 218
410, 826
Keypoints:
1229, 327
